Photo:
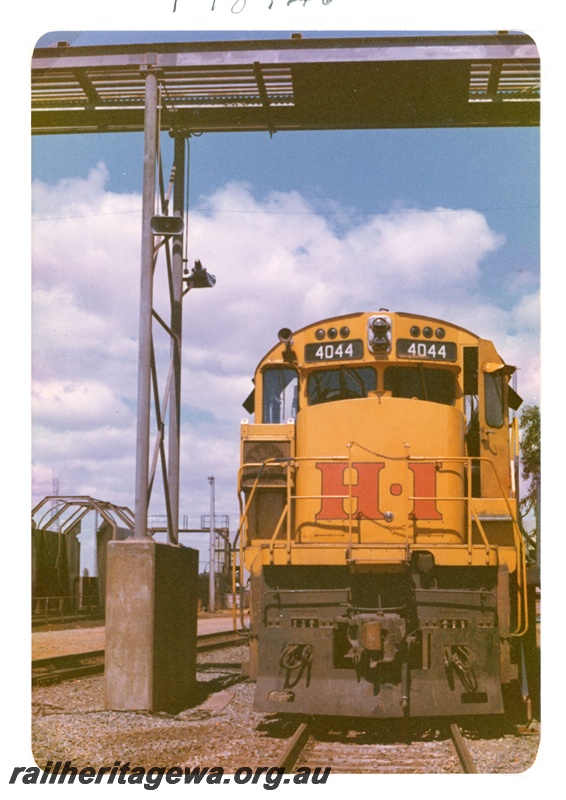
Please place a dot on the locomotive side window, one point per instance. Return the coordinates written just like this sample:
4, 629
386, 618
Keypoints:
280, 394
327, 385
434, 385
471, 366
494, 396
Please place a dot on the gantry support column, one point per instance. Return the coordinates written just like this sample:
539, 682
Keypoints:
151, 589
146, 306
176, 342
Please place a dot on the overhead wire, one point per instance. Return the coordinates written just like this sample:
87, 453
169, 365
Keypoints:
319, 213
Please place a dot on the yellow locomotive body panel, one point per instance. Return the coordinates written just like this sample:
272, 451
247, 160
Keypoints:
387, 497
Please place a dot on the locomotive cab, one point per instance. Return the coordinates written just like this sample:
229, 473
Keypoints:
379, 521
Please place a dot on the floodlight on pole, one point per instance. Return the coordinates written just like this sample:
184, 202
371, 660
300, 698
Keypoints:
199, 278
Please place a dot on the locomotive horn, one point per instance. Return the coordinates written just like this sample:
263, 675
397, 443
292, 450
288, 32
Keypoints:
285, 336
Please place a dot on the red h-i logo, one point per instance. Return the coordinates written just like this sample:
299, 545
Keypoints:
366, 490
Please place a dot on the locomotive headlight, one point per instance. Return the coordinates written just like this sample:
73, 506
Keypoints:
379, 334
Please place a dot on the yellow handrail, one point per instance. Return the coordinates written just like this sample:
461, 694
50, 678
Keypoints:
466, 461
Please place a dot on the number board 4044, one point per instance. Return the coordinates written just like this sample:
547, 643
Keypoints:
429, 351
347, 350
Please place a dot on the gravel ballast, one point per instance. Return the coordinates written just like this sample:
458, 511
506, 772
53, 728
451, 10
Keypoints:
70, 723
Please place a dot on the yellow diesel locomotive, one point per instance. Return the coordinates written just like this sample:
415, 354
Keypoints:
379, 521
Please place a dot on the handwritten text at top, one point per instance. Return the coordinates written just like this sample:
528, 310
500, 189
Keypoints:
237, 6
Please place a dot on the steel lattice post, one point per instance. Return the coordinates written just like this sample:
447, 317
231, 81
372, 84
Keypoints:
146, 304
176, 342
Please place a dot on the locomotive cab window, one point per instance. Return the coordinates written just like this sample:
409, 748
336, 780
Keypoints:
434, 385
280, 394
325, 386
494, 400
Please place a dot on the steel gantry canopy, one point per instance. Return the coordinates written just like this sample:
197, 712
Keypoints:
291, 84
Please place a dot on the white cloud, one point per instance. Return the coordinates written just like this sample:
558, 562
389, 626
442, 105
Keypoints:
422, 249
87, 240
278, 263
83, 405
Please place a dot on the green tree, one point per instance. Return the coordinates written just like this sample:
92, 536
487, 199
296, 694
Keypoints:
529, 425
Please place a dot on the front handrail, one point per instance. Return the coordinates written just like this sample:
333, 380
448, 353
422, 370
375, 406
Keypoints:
291, 464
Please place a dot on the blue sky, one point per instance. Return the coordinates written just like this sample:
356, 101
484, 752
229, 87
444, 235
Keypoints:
296, 227
494, 171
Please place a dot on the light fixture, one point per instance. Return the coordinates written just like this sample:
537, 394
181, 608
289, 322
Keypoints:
199, 278
379, 334
166, 226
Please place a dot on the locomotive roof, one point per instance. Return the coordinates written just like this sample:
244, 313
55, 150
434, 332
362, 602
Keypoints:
358, 314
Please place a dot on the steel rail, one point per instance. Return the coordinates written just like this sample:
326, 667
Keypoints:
294, 747
462, 751
56, 669
304, 731
55, 617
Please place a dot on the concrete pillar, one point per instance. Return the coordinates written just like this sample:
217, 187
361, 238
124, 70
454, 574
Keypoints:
151, 626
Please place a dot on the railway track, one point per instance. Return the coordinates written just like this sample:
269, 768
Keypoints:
350, 751
57, 669
461, 747
54, 620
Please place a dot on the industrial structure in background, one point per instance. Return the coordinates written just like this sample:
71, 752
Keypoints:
61, 588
